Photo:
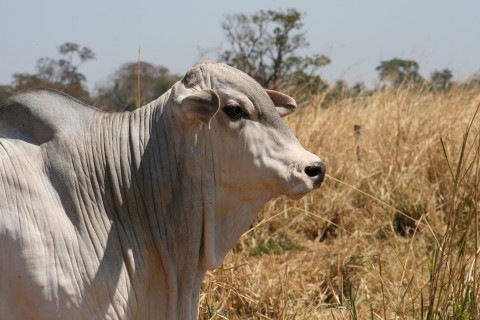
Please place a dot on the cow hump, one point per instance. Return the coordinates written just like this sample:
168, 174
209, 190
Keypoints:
38, 115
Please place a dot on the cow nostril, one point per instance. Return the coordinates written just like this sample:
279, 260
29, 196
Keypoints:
316, 169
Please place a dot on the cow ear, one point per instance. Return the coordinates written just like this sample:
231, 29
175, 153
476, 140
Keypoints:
284, 104
199, 106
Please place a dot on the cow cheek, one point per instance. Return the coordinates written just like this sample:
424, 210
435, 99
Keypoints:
279, 166
252, 161
269, 170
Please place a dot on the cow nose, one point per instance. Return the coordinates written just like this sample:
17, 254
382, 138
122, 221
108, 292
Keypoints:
316, 170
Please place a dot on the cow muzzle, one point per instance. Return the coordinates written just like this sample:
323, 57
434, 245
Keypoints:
316, 172
306, 176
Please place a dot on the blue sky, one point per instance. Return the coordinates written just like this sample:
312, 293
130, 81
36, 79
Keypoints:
355, 34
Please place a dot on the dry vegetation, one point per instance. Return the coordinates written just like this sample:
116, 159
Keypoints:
392, 233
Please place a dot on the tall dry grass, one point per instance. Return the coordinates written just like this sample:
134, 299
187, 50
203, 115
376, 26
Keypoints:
392, 233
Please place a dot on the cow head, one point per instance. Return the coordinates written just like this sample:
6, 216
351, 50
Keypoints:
254, 155
258, 149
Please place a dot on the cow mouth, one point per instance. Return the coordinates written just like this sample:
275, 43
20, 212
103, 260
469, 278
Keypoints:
301, 190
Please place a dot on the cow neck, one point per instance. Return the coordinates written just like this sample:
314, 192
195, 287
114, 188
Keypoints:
175, 214
155, 203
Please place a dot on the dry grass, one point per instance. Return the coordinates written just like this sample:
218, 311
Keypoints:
392, 233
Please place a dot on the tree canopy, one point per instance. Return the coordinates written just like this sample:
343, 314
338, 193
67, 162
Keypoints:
121, 91
398, 71
266, 46
441, 80
61, 74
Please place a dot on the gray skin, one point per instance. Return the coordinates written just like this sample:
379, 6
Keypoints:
119, 215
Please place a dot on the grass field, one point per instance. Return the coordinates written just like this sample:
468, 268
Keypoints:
392, 233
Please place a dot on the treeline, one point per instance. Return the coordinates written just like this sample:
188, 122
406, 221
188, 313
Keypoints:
120, 92
265, 45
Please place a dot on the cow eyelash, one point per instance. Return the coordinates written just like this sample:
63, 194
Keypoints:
235, 112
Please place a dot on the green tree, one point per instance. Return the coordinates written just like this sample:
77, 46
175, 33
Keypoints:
358, 89
5, 91
398, 71
441, 80
340, 91
121, 92
64, 71
60, 74
266, 44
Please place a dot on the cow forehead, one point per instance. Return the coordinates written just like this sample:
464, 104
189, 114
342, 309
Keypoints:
224, 78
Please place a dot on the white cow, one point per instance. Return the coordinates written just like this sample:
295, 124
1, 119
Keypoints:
119, 215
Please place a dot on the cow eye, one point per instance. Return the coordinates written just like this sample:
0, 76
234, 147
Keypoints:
235, 112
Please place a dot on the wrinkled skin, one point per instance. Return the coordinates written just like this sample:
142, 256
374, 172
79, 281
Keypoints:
119, 215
